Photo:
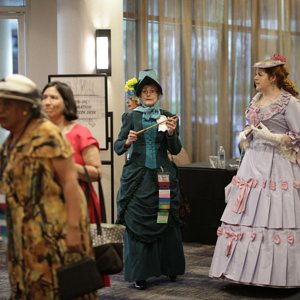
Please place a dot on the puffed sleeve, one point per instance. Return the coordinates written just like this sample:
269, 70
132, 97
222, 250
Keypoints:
292, 116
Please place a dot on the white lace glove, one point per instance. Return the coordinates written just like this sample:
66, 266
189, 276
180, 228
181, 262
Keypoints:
284, 149
263, 132
245, 138
288, 153
244, 135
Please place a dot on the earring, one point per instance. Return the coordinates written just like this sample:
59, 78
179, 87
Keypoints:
25, 113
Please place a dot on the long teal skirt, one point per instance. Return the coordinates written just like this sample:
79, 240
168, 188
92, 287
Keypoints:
165, 256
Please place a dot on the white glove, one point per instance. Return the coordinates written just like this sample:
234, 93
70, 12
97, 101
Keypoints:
244, 135
245, 138
261, 131
288, 153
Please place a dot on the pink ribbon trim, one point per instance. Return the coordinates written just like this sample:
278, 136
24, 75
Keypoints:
244, 186
233, 236
284, 185
272, 185
253, 236
290, 239
219, 231
296, 184
276, 239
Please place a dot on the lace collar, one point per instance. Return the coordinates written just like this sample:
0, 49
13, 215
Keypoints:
257, 114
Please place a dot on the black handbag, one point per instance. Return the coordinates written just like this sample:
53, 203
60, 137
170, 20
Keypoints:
107, 239
79, 278
109, 258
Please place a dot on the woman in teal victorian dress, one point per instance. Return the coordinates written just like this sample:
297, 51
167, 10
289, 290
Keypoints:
148, 199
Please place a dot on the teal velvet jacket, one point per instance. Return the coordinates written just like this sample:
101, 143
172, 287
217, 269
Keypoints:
137, 198
162, 143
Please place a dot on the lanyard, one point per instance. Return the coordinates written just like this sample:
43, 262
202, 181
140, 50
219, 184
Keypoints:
164, 196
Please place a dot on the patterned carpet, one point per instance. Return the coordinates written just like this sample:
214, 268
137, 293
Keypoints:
194, 284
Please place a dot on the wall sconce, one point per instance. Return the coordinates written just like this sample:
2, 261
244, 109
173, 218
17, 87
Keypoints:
103, 52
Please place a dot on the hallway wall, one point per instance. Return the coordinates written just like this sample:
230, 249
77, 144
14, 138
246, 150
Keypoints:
60, 40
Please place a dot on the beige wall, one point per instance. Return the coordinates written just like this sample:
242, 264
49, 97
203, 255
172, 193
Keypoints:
41, 40
60, 40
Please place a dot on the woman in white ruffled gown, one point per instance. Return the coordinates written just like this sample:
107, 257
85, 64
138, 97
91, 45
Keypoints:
259, 238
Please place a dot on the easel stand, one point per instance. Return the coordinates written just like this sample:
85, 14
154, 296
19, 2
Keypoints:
110, 162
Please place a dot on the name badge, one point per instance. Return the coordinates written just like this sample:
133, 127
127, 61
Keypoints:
164, 197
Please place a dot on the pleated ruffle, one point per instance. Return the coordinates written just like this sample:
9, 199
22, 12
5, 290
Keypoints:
257, 256
259, 239
263, 203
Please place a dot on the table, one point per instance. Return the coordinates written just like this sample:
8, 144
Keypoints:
204, 188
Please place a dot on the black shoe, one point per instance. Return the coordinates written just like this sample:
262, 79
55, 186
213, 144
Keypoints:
172, 278
140, 284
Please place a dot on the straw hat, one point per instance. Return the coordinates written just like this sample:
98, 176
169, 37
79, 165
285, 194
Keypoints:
19, 87
275, 60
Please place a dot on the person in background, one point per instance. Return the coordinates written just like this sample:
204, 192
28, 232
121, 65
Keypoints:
60, 107
47, 221
259, 239
132, 100
152, 242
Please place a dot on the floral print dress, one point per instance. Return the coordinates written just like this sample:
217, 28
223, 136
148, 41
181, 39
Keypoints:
36, 214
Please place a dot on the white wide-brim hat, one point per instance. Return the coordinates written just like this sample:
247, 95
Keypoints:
19, 87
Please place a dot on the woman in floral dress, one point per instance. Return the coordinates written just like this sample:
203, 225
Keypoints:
259, 239
47, 219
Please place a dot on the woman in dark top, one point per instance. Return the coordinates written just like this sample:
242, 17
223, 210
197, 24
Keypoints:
148, 199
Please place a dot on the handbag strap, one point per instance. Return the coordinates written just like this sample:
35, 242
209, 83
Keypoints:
102, 202
88, 199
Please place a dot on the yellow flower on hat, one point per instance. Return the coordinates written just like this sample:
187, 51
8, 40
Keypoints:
131, 84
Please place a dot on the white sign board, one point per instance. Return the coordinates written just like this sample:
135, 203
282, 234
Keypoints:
90, 92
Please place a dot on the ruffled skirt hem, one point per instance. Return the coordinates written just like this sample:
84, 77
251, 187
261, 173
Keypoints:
225, 278
257, 256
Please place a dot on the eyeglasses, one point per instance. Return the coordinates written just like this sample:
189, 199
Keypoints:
149, 91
